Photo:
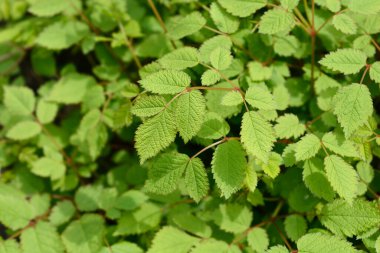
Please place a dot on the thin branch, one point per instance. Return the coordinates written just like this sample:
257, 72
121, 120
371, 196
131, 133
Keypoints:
129, 44
160, 20
368, 66
225, 139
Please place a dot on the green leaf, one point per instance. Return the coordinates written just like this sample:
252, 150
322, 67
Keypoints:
220, 58
71, 88
192, 224
224, 21
210, 77
353, 106
233, 218
196, 180
62, 34
24, 130
374, 72
346, 61
260, 98
276, 21
163, 241
272, 166
180, 59
182, 26
167, 169
318, 242
211, 245
333, 5
337, 144
46, 111
166, 82
48, 167
289, 126
242, 8
342, 177
146, 106
19, 100
277, 249
316, 180
48, 8
43, 238
9, 246
366, 7
258, 72
377, 244
15, 211
87, 198
295, 226
232, 98
122, 247
286, 45
155, 134
62, 213
190, 111
139, 221
211, 44
345, 219
307, 147
130, 200
289, 4
213, 127
84, 235
344, 23
228, 167
257, 135
258, 239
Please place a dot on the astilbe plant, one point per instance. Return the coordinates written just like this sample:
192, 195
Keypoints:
186, 126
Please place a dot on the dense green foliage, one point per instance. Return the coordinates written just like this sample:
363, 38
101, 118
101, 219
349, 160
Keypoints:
186, 126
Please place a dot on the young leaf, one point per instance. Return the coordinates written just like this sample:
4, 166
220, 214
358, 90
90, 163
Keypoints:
48, 167
260, 98
84, 235
345, 219
146, 106
9, 246
71, 88
24, 130
180, 59
163, 241
346, 61
295, 226
15, 211
220, 58
342, 177
191, 108
257, 135
318, 242
366, 7
289, 126
307, 147
258, 239
228, 167
277, 249
374, 72
289, 4
316, 180
276, 21
183, 26
62, 213
155, 134
210, 77
344, 23
166, 82
196, 180
337, 144
212, 245
19, 100
242, 8
46, 111
213, 127
232, 98
211, 44
353, 106
43, 238
224, 21
237, 223
47, 8
165, 173
62, 34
